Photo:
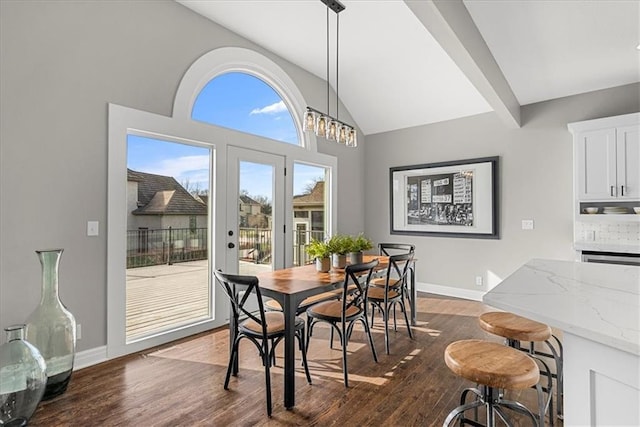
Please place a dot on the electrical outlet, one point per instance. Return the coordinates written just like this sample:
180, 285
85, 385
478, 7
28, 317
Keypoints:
527, 224
478, 280
93, 228
78, 331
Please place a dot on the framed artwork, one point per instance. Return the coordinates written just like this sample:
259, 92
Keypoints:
450, 199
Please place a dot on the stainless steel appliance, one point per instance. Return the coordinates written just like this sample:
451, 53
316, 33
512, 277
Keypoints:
611, 258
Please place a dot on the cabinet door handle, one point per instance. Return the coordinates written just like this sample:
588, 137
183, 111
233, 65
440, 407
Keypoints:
612, 195
622, 190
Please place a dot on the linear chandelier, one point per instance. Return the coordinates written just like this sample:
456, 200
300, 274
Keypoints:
323, 124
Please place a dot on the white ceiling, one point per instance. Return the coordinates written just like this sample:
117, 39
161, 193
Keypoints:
394, 74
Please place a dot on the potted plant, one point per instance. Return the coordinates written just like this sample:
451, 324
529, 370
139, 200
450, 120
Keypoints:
319, 251
339, 245
358, 245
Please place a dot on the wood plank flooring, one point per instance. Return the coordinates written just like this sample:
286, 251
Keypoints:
181, 384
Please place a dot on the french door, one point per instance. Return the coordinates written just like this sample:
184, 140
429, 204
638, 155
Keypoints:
255, 232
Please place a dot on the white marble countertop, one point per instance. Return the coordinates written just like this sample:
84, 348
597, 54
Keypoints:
600, 302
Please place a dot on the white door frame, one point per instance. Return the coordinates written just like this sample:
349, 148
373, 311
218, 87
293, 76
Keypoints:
235, 155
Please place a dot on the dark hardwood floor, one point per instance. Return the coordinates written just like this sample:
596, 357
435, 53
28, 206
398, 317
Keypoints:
181, 384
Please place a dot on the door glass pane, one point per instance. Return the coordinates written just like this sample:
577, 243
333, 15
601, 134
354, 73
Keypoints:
167, 283
255, 219
309, 208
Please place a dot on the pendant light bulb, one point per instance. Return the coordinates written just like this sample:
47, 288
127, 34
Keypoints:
309, 121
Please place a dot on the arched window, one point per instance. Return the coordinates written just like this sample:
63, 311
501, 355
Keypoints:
243, 102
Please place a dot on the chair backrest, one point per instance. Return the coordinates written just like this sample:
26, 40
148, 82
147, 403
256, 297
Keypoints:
389, 249
239, 289
354, 273
399, 266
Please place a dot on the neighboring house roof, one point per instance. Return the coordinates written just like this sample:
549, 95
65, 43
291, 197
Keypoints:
248, 200
163, 195
315, 197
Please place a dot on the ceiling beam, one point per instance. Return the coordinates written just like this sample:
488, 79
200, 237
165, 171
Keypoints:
450, 24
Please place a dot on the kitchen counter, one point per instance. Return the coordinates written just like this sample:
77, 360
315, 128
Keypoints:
597, 306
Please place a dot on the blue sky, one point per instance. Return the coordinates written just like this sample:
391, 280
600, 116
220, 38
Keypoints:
233, 100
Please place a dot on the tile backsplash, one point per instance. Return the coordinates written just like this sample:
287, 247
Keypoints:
621, 233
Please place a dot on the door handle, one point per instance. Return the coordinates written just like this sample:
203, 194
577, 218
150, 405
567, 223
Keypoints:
231, 245
612, 195
622, 190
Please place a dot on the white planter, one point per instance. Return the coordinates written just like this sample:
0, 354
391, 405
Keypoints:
355, 258
338, 261
323, 265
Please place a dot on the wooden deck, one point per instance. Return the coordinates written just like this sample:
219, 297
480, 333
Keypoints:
163, 297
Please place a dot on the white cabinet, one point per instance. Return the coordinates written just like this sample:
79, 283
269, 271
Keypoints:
607, 158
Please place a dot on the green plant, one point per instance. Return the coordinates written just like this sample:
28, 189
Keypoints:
318, 249
339, 244
360, 243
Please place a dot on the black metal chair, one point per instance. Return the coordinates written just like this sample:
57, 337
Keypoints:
342, 314
388, 249
264, 329
392, 292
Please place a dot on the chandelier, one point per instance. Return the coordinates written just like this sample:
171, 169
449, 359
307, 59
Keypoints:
323, 124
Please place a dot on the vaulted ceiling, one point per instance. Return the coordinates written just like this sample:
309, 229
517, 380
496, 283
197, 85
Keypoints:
414, 62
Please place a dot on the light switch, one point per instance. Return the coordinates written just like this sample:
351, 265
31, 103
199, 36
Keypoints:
590, 235
92, 228
527, 224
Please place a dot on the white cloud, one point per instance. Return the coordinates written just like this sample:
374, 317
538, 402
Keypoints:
276, 108
182, 167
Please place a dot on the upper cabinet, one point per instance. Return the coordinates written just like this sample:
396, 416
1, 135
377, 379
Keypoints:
607, 158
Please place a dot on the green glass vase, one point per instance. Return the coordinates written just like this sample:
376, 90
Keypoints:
52, 328
22, 378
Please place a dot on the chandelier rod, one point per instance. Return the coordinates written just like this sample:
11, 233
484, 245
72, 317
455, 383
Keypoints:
328, 105
337, 62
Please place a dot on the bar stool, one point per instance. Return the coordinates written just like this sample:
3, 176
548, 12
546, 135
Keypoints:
516, 330
493, 367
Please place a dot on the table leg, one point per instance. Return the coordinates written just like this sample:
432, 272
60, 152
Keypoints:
289, 310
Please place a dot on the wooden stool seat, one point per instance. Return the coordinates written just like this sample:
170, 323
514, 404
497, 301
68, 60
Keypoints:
512, 326
492, 364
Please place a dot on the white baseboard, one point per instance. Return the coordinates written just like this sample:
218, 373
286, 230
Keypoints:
90, 357
449, 291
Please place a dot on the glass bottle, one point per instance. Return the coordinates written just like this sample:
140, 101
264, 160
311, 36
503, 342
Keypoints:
52, 328
22, 378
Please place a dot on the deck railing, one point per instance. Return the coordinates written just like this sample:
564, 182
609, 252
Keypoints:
165, 246
146, 247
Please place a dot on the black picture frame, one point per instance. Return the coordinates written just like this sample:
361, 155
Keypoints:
448, 199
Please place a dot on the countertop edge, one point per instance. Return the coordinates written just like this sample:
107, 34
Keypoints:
607, 340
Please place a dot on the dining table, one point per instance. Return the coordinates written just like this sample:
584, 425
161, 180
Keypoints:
289, 286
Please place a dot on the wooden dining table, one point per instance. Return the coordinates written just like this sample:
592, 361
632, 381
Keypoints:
289, 287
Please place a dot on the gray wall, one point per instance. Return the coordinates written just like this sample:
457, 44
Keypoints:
61, 63
536, 182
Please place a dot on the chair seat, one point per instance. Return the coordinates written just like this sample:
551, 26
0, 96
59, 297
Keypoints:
512, 326
378, 294
275, 324
382, 281
332, 310
492, 364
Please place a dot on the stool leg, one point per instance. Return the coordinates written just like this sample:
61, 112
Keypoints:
559, 359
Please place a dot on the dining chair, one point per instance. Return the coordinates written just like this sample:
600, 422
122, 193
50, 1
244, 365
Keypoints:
388, 249
264, 329
393, 292
343, 314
